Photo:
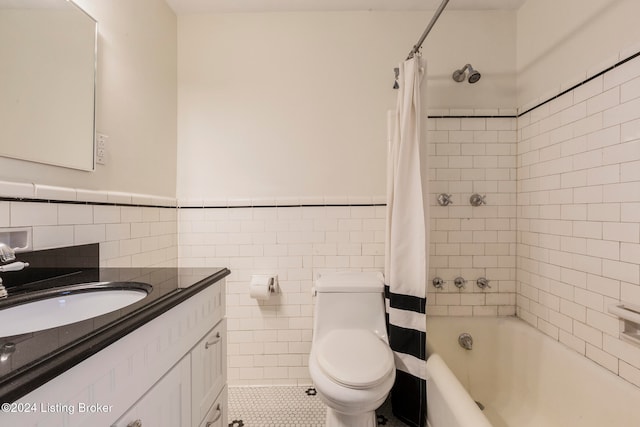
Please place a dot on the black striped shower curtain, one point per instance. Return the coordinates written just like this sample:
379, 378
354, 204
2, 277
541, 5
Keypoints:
406, 250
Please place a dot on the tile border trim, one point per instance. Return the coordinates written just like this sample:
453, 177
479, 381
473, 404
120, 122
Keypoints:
143, 205
577, 85
539, 104
88, 203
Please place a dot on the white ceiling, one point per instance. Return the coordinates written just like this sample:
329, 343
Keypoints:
213, 6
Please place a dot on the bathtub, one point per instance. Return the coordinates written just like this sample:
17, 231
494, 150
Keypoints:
522, 377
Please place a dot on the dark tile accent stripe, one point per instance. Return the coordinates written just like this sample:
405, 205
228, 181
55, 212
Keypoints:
473, 117
139, 205
564, 92
78, 202
332, 205
617, 64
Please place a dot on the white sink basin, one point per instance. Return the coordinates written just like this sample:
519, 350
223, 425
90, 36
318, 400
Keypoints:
79, 302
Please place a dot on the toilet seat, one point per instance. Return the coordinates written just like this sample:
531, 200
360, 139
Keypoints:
354, 358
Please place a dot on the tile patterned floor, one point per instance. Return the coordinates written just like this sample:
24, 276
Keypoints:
285, 406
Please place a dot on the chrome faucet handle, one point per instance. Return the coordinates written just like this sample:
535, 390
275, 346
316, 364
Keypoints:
483, 283
438, 283
444, 199
7, 254
459, 282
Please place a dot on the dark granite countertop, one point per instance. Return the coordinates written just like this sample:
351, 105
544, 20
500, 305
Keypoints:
43, 355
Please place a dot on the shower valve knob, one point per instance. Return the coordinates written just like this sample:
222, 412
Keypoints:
477, 200
444, 199
438, 283
460, 282
483, 283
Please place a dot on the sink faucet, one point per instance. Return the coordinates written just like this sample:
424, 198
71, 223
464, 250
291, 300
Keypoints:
8, 263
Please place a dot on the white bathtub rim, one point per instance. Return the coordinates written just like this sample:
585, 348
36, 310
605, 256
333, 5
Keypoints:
466, 411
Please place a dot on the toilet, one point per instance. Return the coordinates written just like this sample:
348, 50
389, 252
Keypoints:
351, 363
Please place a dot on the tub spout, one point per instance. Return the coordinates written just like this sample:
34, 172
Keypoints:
466, 341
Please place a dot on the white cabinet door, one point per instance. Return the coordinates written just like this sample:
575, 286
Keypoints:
166, 404
209, 370
217, 415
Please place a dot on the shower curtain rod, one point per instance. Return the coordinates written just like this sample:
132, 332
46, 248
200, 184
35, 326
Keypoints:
424, 35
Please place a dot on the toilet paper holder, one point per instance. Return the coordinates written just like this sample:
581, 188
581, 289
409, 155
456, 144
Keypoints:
272, 284
260, 280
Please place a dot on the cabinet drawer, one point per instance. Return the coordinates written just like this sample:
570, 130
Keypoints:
217, 415
166, 404
209, 370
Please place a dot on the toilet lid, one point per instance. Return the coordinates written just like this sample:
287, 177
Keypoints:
355, 358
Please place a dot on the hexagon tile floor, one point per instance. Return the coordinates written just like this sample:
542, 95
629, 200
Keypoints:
286, 406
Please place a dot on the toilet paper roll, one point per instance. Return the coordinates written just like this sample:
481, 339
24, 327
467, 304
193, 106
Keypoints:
260, 287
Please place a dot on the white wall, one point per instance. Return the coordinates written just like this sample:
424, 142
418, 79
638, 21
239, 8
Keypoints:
579, 216
562, 42
294, 104
136, 103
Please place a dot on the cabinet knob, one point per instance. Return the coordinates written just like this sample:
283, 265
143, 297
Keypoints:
136, 423
215, 341
217, 417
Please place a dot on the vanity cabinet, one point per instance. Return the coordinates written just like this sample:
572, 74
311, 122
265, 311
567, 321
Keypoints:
168, 372
191, 393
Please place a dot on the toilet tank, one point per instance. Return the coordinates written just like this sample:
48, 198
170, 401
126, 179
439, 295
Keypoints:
350, 300
351, 281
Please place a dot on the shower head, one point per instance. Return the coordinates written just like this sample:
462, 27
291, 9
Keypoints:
474, 75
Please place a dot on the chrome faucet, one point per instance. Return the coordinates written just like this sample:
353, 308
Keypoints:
8, 263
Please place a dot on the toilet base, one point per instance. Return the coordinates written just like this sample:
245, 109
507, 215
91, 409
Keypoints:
338, 419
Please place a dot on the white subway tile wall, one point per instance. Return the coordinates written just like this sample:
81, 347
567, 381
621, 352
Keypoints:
466, 156
269, 341
579, 216
129, 236
558, 238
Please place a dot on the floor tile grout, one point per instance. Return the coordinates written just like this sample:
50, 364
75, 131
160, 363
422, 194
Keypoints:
286, 406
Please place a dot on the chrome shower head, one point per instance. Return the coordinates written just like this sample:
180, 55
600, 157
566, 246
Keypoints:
474, 75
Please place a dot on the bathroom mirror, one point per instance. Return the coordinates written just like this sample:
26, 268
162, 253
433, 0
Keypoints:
47, 82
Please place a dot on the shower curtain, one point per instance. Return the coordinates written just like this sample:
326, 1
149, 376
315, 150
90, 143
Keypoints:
406, 250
